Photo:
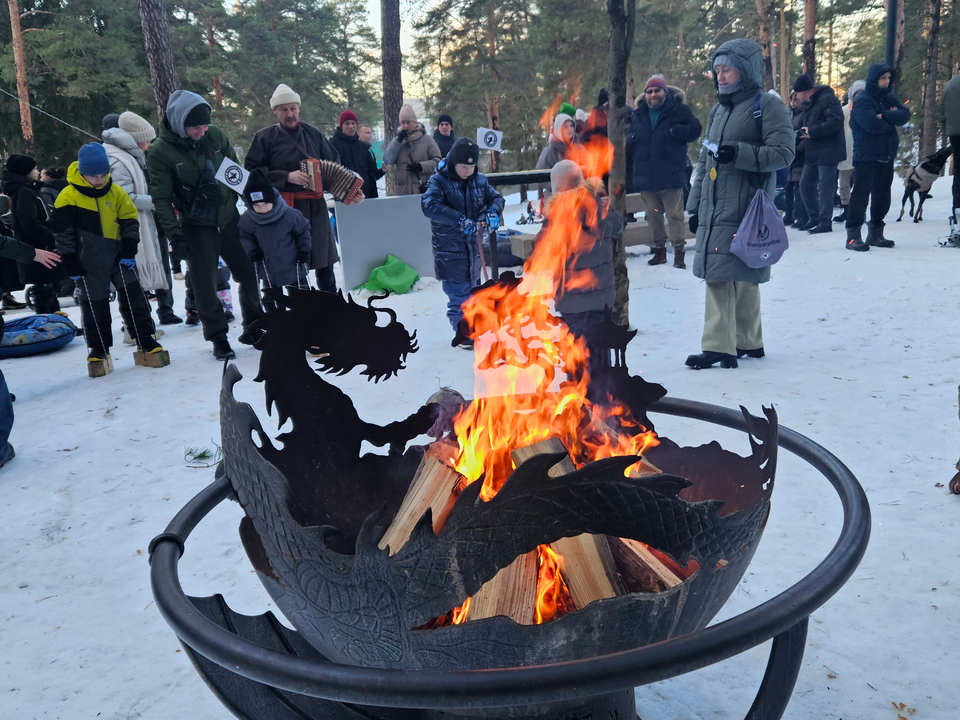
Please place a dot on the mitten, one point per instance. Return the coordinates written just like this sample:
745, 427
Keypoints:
303, 257
255, 256
694, 222
726, 153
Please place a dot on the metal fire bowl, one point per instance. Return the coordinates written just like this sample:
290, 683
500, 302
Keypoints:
783, 618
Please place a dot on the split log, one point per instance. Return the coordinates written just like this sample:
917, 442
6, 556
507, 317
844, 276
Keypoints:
436, 486
153, 360
586, 562
100, 368
511, 592
640, 569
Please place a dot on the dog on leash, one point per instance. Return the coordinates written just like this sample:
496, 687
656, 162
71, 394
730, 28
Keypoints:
920, 179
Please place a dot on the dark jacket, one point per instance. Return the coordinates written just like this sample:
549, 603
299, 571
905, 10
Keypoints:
657, 156
30, 226
448, 199
274, 150
796, 118
357, 156
280, 235
875, 139
444, 142
721, 194
95, 228
49, 189
823, 119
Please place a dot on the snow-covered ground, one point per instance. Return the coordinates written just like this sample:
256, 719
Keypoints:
860, 357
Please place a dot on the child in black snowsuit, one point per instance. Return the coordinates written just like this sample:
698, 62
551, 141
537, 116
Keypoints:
275, 237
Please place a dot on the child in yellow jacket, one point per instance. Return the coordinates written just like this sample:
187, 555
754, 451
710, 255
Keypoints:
97, 233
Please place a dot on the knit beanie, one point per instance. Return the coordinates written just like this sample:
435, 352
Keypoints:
568, 109
199, 115
558, 123
581, 115
407, 113
857, 87
283, 95
109, 121
347, 115
803, 83
565, 175
444, 119
21, 165
258, 188
137, 128
92, 160
603, 98
656, 80
464, 151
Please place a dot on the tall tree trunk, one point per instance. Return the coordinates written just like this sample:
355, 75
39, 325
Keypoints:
493, 101
392, 79
212, 49
810, 39
898, 46
23, 92
929, 143
830, 55
623, 17
784, 47
772, 26
766, 60
156, 38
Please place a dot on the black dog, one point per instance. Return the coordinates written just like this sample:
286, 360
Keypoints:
920, 179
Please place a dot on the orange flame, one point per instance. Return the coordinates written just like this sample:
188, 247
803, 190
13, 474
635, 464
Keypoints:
553, 597
546, 120
460, 614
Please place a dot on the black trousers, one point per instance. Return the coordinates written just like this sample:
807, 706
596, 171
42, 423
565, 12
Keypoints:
955, 142
205, 245
326, 280
134, 309
45, 298
165, 297
795, 211
818, 185
871, 182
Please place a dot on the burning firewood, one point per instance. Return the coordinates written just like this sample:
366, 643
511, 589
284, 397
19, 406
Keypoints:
435, 485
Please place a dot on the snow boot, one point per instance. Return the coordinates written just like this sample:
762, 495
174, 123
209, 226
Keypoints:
709, 358
169, 318
678, 260
756, 353
875, 236
842, 217
11, 303
854, 242
222, 350
820, 229
192, 317
251, 334
809, 224
659, 256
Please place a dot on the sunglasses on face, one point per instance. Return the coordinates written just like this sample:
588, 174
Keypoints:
653, 91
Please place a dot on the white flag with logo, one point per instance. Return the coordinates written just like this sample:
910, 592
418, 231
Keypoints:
489, 139
232, 175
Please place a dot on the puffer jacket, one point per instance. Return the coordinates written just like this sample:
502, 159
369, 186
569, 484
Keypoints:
357, 157
49, 189
95, 228
280, 235
116, 141
657, 156
416, 147
595, 256
176, 164
30, 226
456, 256
875, 139
950, 106
823, 119
721, 193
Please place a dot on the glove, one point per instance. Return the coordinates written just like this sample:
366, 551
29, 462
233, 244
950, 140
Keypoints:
493, 220
303, 258
401, 136
255, 256
414, 167
178, 247
75, 278
130, 263
725, 154
694, 222
468, 226
71, 265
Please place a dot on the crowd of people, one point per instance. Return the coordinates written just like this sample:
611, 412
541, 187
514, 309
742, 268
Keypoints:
144, 199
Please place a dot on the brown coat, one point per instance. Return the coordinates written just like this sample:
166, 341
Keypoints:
417, 147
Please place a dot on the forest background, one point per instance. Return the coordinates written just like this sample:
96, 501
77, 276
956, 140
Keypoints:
86, 58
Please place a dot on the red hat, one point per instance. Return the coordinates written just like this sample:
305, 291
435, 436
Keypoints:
656, 81
347, 115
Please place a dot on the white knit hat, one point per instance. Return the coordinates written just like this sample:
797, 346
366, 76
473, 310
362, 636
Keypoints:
283, 95
138, 128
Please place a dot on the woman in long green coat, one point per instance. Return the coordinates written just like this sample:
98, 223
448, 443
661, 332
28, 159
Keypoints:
744, 154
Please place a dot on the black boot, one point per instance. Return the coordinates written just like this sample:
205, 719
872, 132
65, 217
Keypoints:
820, 229
842, 217
222, 350
708, 358
756, 353
810, 224
854, 242
875, 236
659, 257
678, 260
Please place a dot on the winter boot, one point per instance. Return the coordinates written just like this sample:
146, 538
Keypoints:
222, 350
678, 259
810, 224
659, 257
192, 317
820, 229
149, 345
709, 358
842, 217
11, 303
875, 236
97, 355
756, 353
251, 334
169, 318
854, 242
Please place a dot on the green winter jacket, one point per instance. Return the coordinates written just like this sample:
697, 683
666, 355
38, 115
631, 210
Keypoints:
175, 166
721, 193
950, 106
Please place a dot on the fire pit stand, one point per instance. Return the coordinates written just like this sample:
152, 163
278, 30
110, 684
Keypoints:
258, 680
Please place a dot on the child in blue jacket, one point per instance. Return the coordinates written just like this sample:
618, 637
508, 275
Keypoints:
458, 201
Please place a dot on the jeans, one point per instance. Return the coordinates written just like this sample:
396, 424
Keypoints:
818, 185
6, 420
871, 181
457, 294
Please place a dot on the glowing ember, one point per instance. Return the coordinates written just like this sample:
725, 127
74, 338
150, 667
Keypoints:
460, 613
